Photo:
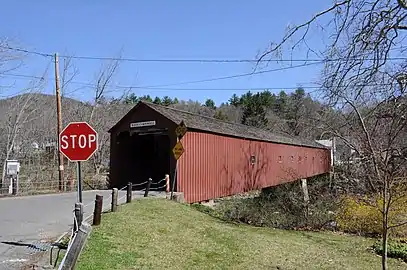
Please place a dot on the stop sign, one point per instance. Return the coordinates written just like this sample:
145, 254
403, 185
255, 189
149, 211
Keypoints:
78, 141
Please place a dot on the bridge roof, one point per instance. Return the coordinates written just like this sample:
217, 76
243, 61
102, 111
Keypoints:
213, 125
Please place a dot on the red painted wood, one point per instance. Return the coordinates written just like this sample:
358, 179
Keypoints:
216, 166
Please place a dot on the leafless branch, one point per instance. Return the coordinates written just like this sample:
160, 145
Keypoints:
69, 73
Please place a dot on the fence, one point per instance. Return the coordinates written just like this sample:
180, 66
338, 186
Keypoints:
82, 229
48, 183
41, 176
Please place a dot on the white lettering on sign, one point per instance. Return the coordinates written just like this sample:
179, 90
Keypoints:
84, 141
142, 124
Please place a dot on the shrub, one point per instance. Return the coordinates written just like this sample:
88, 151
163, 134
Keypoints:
395, 249
206, 209
358, 216
283, 207
362, 216
256, 212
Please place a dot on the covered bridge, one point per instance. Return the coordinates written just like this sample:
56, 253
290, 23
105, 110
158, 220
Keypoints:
220, 158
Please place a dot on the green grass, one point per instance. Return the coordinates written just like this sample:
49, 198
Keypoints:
161, 234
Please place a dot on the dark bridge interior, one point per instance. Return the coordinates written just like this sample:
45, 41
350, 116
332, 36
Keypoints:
143, 155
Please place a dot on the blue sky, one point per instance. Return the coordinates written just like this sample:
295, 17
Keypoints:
158, 29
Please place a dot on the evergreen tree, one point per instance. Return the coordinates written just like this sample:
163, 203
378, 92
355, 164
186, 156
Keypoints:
131, 99
281, 104
254, 113
210, 104
166, 101
157, 100
146, 98
234, 100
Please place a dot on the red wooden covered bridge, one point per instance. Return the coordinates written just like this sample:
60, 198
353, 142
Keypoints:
220, 158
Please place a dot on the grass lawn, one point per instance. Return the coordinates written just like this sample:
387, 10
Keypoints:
161, 234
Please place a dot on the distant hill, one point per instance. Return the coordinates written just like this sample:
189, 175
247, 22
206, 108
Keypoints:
37, 121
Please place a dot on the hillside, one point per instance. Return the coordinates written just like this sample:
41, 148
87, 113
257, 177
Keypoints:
28, 132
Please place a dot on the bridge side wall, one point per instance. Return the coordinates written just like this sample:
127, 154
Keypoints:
216, 166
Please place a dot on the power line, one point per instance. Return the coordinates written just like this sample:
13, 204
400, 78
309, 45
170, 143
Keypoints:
238, 75
255, 88
181, 83
219, 60
26, 51
316, 87
195, 60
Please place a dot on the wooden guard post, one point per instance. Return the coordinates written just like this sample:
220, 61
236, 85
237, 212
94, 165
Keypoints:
167, 183
115, 194
129, 192
147, 187
97, 214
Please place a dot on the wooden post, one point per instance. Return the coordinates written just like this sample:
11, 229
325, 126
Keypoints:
97, 214
129, 192
306, 196
14, 184
147, 187
59, 124
73, 252
167, 183
305, 190
78, 216
173, 180
115, 194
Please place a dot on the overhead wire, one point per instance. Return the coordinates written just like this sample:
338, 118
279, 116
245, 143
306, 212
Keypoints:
167, 87
179, 60
199, 89
161, 86
25, 51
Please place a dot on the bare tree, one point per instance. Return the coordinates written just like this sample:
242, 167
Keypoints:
69, 72
22, 113
9, 60
194, 107
104, 112
359, 78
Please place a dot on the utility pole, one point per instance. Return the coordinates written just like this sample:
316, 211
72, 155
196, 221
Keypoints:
59, 124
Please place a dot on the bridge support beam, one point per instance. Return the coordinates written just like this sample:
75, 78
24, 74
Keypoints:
304, 188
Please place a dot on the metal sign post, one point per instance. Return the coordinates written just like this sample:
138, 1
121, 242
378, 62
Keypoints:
78, 172
178, 150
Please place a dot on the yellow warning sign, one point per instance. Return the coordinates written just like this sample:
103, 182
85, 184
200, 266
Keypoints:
181, 130
178, 150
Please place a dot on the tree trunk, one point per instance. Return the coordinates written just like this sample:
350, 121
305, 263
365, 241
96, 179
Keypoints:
384, 255
3, 177
385, 226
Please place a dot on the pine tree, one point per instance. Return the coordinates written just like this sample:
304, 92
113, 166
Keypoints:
254, 113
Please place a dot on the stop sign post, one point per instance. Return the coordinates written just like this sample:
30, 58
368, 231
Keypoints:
78, 142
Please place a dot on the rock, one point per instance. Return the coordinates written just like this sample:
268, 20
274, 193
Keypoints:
178, 197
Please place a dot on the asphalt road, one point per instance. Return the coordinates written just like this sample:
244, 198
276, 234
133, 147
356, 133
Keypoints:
33, 219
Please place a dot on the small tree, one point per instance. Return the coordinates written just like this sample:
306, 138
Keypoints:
166, 101
22, 112
157, 100
210, 104
359, 79
254, 113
